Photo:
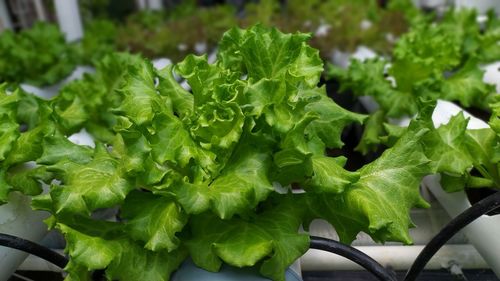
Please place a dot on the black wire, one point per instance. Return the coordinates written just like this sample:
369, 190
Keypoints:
27, 246
482, 207
354, 255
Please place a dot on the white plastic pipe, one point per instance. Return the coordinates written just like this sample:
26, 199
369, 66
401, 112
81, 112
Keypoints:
432, 4
40, 11
68, 16
397, 257
141, 4
155, 5
34, 263
482, 6
17, 218
5, 21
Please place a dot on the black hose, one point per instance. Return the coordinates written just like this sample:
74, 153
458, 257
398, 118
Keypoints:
354, 255
27, 246
482, 207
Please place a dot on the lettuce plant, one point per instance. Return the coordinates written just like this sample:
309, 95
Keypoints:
39, 56
432, 61
435, 61
205, 173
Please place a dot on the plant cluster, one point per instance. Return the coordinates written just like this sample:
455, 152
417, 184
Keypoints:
337, 24
98, 41
435, 61
39, 55
176, 33
347, 24
205, 173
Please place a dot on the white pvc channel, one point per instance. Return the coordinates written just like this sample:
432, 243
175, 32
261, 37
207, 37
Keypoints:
5, 21
68, 17
396, 257
17, 218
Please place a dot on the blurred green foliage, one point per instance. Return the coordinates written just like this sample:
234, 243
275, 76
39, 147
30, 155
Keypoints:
41, 56
38, 55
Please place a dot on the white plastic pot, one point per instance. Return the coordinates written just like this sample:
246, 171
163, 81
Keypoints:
160, 63
5, 21
432, 4
343, 59
68, 16
18, 219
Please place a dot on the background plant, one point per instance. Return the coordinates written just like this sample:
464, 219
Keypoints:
39, 55
435, 61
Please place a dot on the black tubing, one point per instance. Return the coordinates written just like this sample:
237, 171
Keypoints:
27, 246
482, 207
354, 255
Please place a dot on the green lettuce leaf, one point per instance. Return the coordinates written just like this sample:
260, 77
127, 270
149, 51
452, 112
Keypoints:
154, 220
467, 87
271, 235
86, 187
101, 245
378, 203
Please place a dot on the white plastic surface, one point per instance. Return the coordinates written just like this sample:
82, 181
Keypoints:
431, 4
155, 5
492, 74
445, 110
343, 59
160, 63
200, 47
322, 30
50, 91
68, 16
482, 6
396, 257
40, 11
141, 4
82, 138
5, 21
17, 218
